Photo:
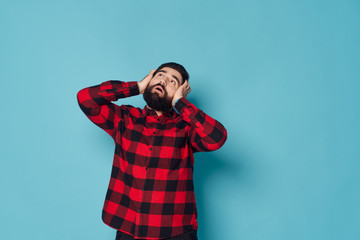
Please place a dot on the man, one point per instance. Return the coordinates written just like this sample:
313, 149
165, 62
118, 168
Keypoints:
151, 191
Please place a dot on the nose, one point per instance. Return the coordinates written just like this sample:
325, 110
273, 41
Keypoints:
163, 82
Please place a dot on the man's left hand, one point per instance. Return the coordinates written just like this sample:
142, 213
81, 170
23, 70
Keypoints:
182, 91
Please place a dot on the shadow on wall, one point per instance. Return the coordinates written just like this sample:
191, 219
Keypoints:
234, 169
207, 165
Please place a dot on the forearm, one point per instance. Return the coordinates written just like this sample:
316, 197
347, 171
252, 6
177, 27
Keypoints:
95, 102
206, 133
106, 92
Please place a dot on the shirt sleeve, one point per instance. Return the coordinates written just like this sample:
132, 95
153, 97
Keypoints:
96, 103
205, 134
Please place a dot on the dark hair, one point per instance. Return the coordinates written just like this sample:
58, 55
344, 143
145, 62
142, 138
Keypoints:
177, 67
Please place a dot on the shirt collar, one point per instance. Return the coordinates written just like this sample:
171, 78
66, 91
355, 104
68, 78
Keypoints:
151, 112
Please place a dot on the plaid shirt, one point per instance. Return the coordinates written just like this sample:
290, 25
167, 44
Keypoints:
151, 192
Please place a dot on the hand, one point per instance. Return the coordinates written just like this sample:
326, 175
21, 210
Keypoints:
182, 91
143, 83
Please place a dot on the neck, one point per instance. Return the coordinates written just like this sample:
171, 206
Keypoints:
157, 112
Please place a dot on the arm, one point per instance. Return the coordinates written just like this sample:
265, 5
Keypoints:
205, 134
96, 103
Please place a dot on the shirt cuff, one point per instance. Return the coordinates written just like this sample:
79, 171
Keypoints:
124, 89
134, 88
181, 103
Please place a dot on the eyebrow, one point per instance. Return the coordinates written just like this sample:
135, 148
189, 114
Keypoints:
171, 75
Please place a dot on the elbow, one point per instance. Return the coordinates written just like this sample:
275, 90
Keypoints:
83, 97
221, 141
80, 96
212, 142
219, 137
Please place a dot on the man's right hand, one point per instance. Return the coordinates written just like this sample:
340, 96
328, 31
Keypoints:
143, 83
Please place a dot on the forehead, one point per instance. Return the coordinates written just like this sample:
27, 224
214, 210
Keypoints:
172, 72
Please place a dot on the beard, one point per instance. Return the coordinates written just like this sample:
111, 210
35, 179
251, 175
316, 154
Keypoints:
156, 102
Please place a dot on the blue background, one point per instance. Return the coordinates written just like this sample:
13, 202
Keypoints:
282, 77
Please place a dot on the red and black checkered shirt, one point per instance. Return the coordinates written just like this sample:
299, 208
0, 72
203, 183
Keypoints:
151, 191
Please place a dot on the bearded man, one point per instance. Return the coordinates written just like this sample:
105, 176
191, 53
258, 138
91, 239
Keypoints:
151, 190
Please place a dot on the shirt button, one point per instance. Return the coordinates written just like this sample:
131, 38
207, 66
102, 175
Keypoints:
154, 132
143, 189
150, 148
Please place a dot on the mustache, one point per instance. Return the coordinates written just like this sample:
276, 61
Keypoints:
158, 84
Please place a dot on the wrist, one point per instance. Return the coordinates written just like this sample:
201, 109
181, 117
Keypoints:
141, 87
175, 100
